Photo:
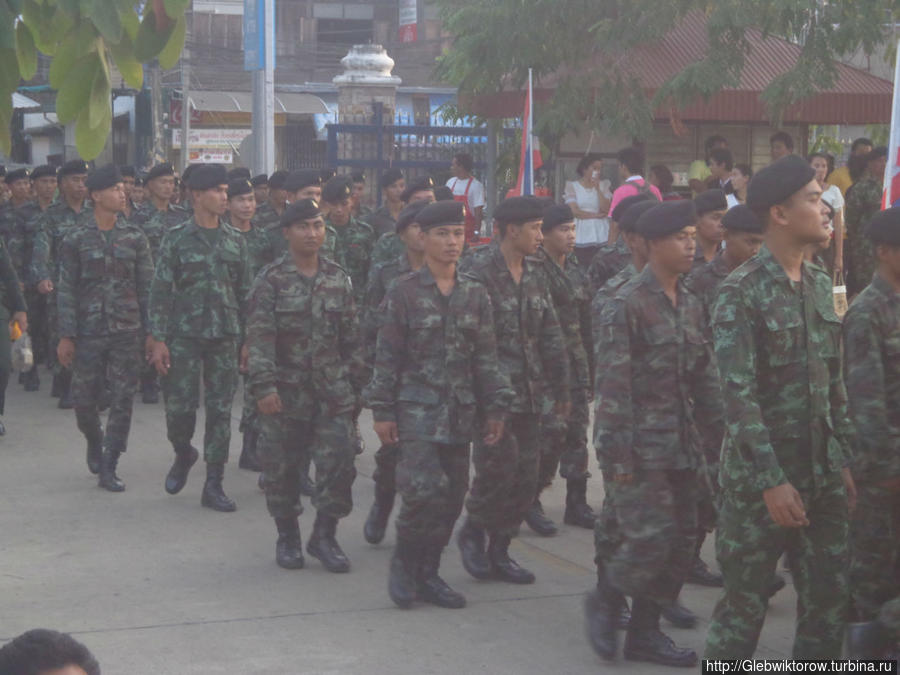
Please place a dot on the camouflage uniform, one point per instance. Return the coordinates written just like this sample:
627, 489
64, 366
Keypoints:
104, 286
863, 201
530, 350
653, 358
872, 353
11, 301
381, 221
388, 247
436, 375
351, 247
196, 308
608, 262
155, 223
21, 251
303, 338
704, 282
778, 353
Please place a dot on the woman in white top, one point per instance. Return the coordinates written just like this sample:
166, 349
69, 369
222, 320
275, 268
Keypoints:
589, 198
740, 179
831, 194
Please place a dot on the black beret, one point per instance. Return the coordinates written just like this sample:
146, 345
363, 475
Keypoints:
238, 187
627, 203
277, 179
302, 178
186, 174
390, 177
629, 218
666, 218
418, 185
408, 215
164, 169
18, 174
778, 181
741, 218
327, 174
443, 194
104, 177
557, 214
261, 179
302, 210
43, 171
711, 200
128, 171
884, 227
207, 177
441, 213
239, 172
337, 189
517, 210
139, 180
73, 167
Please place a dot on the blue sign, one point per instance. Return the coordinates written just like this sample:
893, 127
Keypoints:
254, 28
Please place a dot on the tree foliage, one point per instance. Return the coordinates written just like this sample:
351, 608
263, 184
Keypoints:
494, 44
84, 38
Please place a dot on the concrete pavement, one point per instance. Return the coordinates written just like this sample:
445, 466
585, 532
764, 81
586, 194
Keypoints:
155, 584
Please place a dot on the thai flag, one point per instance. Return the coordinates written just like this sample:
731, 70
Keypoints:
891, 195
530, 159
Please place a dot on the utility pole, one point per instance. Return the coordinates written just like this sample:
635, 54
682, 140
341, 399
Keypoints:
186, 88
263, 119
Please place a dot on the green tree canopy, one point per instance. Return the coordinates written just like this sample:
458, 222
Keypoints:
494, 44
83, 38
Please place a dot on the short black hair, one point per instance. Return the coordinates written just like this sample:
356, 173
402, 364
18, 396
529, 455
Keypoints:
722, 156
358, 177
784, 137
586, 161
464, 159
861, 141
663, 176
40, 650
745, 169
632, 159
713, 141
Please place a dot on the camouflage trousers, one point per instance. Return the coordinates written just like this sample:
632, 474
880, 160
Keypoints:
874, 550
506, 475
290, 436
214, 361
432, 479
647, 533
53, 334
748, 546
385, 474
563, 445
101, 361
249, 412
37, 324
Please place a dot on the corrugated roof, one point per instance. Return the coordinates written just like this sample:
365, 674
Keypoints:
856, 98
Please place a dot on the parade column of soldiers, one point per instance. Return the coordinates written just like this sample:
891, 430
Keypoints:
501, 347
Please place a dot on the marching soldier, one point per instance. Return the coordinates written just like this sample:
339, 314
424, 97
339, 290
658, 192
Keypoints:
268, 212
349, 242
612, 259
384, 219
260, 185
389, 247
711, 208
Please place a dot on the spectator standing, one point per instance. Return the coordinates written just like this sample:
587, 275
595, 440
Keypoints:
841, 177
831, 195
468, 190
589, 199
721, 166
863, 201
698, 172
740, 179
631, 162
662, 178
780, 145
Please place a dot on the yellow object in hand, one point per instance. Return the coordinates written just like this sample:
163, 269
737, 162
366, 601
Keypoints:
15, 332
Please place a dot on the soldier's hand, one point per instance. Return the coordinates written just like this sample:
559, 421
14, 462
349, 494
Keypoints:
244, 362
493, 432
269, 405
563, 409
387, 432
20, 318
45, 286
624, 478
65, 352
850, 486
160, 358
786, 506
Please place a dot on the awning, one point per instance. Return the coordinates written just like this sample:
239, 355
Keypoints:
242, 101
22, 102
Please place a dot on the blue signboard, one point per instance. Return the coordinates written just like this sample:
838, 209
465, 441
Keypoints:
255, 35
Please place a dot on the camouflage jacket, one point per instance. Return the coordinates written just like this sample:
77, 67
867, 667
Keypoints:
104, 285
381, 221
863, 201
700, 260
21, 242
10, 294
530, 343
568, 290
259, 247
778, 353
381, 279
436, 364
303, 333
704, 282
7, 221
155, 223
50, 228
388, 247
872, 372
658, 404
199, 290
601, 297
351, 247
608, 262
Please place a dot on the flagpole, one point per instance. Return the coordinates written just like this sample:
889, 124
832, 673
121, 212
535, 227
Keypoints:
893, 141
531, 127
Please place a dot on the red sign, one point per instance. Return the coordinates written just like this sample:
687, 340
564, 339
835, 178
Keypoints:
408, 33
409, 19
175, 113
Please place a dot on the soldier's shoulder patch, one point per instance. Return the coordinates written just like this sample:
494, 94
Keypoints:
747, 270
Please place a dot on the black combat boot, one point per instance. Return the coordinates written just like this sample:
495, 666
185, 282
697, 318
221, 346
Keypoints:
504, 567
108, 478
601, 614
538, 521
185, 458
95, 452
249, 460
89, 425
289, 547
700, 573
402, 576
324, 546
776, 584
645, 642
867, 640
679, 615
471, 547
376, 523
31, 379
307, 485
214, 496
432, 588
65, 396
578, 512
